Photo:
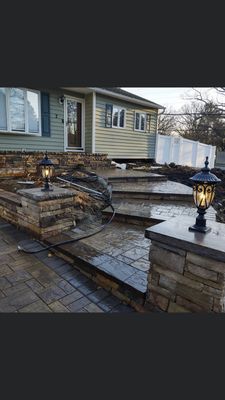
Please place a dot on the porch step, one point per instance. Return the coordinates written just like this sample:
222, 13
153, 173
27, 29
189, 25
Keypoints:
137, 179
121, 176
170, 191
148, 213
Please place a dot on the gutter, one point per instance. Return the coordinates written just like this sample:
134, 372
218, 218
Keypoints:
127, 98
147, 104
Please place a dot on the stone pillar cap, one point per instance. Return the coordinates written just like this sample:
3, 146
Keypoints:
175, 232
37, 194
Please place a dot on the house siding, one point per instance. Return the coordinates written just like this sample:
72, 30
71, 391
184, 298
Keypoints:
125, 142
88, 122
55, 143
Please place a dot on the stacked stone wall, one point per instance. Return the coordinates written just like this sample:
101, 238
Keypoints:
182, 281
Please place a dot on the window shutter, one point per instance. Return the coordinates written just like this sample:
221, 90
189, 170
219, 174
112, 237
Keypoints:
108, 115
45, 114
148, 122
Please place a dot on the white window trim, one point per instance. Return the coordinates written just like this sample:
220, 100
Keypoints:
140, 130
26, 132
119, 109
66, 147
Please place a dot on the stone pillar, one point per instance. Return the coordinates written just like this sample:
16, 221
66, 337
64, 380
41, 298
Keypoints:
46, 213
187, 269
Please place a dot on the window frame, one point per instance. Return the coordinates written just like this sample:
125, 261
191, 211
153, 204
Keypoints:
145, 127
8, 116
119, 109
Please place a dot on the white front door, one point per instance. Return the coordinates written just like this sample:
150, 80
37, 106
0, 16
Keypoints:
74, 124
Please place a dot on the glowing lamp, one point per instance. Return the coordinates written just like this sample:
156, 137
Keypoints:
204, 184
46, 169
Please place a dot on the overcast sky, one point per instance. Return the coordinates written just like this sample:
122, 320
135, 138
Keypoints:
174, 97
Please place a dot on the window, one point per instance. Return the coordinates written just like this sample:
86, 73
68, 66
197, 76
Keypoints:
118, 117
19, 110
140, 121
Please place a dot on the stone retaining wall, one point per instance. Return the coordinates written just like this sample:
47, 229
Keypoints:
187, 271
181, 281
18, 164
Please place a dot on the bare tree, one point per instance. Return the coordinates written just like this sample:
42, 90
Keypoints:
206, 99
167, 122
202, 120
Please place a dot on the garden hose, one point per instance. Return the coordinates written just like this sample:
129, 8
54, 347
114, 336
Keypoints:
93, 193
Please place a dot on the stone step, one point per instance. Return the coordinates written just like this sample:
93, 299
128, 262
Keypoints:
121, 176
169, 190
150, 213
117, 255
140, 178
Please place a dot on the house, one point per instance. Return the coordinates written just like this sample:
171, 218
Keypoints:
78, 119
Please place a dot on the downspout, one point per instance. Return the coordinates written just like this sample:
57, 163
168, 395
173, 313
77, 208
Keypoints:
93, 121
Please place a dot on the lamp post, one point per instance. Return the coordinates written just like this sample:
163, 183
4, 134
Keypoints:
204, 184
47, 170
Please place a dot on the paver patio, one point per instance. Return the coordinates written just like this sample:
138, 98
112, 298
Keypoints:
38, 283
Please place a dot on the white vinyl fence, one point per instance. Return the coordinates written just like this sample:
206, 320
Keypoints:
183, 151
220, 159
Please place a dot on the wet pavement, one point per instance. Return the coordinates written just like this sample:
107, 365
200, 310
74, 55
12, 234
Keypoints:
120, 173
38, 283
120, 250
161, 210
167, 187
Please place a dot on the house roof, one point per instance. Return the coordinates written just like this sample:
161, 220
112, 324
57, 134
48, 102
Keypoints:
124, 95
133, 96
117, 93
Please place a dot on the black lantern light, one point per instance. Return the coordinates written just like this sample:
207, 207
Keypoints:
47, 170
204, 184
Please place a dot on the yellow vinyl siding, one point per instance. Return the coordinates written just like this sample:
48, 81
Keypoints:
124, 142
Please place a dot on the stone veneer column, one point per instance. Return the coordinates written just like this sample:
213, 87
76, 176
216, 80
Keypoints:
187, 269
46, 213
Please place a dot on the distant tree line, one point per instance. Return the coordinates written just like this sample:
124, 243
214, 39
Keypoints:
202, 120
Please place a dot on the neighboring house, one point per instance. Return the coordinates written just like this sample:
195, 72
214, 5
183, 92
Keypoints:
91, 120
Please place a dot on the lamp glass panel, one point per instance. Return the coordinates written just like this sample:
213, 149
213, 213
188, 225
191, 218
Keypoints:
203, 195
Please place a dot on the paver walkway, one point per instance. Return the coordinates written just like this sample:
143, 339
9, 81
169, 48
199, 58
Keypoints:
38, 283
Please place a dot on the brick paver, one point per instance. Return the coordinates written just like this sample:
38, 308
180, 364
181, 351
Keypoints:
39, 283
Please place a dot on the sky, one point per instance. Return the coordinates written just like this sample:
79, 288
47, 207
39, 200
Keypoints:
174, 97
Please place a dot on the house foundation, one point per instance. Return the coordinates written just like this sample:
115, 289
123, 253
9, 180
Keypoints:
187, 269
